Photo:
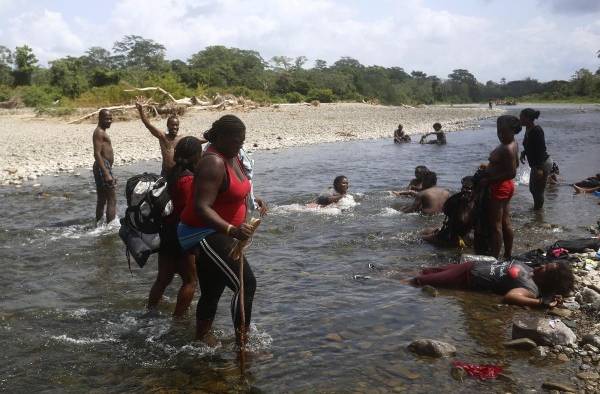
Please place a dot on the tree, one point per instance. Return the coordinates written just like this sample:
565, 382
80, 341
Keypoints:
97, 57
68, 75
6, 60
320, 64
282, 62
25, 63
418, 74
136, 51
299, 62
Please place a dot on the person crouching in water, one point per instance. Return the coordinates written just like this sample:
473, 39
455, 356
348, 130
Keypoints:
518, 283
498, 175
400, 136
213, 218
440, 137
459, 218
171, 258
431, 199
340, 190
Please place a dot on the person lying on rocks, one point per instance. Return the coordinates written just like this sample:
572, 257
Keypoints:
431, 199
415, 184
400, 136
518, 283
439, 134
339, 191
588, 185
459, 218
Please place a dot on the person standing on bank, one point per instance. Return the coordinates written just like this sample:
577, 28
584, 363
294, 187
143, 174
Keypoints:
534, 148
213, 218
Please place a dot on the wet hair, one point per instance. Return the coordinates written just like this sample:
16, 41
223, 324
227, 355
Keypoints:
437, 125
530, 114
185, 151
509, 122
421, 170
226, 125
429, 179
558, 281
338, 179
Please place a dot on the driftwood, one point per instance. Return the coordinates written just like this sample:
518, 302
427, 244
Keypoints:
152, 88
96, 112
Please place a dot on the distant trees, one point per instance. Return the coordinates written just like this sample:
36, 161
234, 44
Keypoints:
95, 77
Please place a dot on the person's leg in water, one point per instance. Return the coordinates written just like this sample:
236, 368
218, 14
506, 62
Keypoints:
537, 187
449, 276
217, 270
507, 231
100, 203
495, 212
166, 271
111, 204
187, 271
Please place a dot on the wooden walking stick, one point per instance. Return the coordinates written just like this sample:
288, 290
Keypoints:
237, 254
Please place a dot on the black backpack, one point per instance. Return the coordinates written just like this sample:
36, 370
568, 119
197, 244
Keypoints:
148, 203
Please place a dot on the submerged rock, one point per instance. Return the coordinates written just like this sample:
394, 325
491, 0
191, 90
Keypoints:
559, 387
521, 344
432, 347
543, 331
430, 290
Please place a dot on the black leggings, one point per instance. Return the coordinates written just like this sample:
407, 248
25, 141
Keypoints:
217, 270
537, 186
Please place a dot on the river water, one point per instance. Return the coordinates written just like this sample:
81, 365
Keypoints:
72, 316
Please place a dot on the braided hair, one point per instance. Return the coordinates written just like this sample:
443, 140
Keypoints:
509, 122
186, 150
228, 124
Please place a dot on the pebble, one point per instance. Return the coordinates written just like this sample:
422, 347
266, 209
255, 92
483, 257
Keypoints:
334, 337
521, 344
584, 367
559, 387
430, 290
588, 375
562, 357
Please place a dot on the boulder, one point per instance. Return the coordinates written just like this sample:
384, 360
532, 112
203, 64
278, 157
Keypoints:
590, 297
521, 344
591, 339
546, 332
432, 347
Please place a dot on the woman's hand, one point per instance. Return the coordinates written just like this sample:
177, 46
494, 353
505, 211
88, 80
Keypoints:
243, 232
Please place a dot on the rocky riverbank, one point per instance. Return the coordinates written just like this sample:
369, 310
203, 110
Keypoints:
31, 146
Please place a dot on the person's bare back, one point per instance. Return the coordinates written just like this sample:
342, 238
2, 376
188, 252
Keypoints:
433, 199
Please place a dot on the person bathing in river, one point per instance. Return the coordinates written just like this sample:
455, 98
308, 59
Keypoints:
339, 191
534, 148
459, 218
213, 218
415, 184
400, 136
588, 185
102, 168
498, 175
431, 199
171, 259
439, 134
518, 283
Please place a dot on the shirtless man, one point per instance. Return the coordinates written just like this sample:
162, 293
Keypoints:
431, 199
499, 175
167, 140
439, 134
102, 169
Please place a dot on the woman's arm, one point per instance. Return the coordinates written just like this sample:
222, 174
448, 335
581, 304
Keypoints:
522, 297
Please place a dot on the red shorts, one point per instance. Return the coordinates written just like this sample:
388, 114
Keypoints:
502, 190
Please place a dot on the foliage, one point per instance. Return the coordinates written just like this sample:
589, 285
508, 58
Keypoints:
6, 93
98, 77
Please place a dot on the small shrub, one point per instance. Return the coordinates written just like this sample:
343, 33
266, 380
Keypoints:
36, 96
6, 93
321, 95
294, 97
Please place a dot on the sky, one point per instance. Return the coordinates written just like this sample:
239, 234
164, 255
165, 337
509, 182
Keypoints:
493, 39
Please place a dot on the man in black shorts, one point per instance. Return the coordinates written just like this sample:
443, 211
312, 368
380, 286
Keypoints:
102, 169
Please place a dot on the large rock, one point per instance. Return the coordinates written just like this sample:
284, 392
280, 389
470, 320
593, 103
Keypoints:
521, 344
432, 347
591, 298
591, 339
559, 387
546, 332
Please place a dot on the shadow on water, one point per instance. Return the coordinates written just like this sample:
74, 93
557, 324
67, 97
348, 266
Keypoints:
330, 312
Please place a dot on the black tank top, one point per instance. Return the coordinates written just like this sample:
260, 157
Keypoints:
501, 277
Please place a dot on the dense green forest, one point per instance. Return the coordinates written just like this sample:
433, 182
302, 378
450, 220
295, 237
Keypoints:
99, 76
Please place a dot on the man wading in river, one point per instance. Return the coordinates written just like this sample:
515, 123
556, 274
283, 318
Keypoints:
167, 140
102, 169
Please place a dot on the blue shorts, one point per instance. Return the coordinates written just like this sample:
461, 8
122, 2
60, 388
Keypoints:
99, 176
191, 236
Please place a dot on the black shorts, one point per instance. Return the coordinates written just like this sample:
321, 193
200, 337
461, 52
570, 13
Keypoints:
169, 242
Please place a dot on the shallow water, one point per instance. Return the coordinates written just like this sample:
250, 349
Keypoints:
72, 316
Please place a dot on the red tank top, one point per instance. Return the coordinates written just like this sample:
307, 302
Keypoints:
229, 204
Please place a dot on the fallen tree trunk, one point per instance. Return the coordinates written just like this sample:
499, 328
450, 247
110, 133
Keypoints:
152, 88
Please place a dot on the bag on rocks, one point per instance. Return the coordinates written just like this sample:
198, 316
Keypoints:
148, 203
578, 245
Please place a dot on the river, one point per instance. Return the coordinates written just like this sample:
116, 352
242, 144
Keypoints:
72, 315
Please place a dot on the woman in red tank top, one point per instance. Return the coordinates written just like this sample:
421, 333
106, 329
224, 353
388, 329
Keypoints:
213, 217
